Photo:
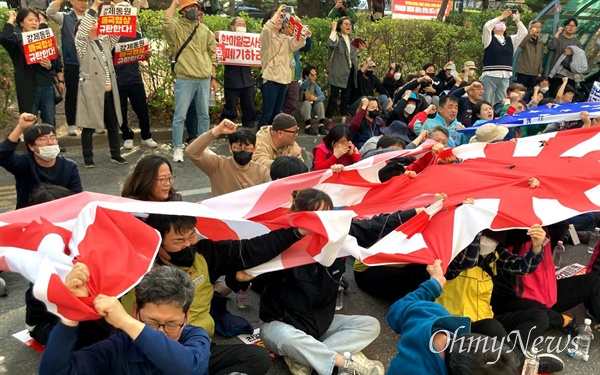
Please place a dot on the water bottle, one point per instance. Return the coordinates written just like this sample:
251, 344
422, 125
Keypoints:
242, 297
339, 301
583, 341
346, 369
559, 249
213, 98
594, 238
531, 365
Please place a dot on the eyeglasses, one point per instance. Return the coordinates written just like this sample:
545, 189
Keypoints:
166, 180
290, 131
46, 140
167, 327
240, 148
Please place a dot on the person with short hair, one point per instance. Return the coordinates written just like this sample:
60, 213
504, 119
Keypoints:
446, 118
157, 337
285, 166
557, 44
228, 173
366, 84
151, 180
41, 163
529, 66
276, 140
311, 101
367, 121
466, 104
343, 9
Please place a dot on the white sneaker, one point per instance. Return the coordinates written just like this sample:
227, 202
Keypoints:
178, 155
99, 131
149, 142
365, 366
72, 130
128, 144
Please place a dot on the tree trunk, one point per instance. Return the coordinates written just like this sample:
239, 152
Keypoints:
485, 4
309, 8
232, 8
443, 6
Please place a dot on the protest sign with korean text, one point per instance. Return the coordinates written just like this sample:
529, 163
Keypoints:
238, 49
295, 27
418, 9
39, 44
130, 52
120, 21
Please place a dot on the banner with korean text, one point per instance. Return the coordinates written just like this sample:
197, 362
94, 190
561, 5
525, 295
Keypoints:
120, 21
420, 9
295, 27
130, 52
39, 44
238, 48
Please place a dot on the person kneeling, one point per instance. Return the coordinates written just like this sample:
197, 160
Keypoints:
158, 340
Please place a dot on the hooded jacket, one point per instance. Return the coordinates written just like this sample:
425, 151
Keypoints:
266, 151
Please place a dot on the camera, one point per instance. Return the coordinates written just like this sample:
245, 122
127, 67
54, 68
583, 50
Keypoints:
346, 4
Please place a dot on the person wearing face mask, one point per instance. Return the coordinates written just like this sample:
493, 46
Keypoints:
498, 53
228, 173
41, 163
469, 73
238, 85
205, 261
405, 110
33, 82
366, 123
194, 67
393, 79
366, 84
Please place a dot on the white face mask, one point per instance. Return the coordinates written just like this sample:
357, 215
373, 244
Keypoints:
487, 245
410, 108
240, 29
544, 90
48, 153
397, 76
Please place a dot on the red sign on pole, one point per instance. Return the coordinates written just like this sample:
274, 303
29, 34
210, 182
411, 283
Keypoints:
39, 44
120, 21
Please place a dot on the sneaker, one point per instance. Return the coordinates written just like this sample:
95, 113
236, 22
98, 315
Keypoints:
149, 142
89, 163
99, 131
3, 290
128, 144
72, 130
549, 363
118, 160
584, 236
222, 288
297, 368
178, 155
365, 366
323, 130
310, 131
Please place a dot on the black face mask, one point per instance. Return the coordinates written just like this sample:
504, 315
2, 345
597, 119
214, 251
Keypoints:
183, 258
431, 75
373, 114
242, 157
191, 14
369, 73
43, 26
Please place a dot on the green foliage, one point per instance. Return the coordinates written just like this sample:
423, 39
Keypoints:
7, 80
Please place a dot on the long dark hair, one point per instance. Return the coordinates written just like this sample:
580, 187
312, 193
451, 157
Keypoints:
140, 182
24, 12
310, 200
336, 133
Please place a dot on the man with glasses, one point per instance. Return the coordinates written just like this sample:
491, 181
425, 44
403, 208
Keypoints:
228, 173
156, 339
558, 43
41, 163
277, 140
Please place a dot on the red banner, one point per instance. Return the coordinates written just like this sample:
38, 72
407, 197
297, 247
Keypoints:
39, 44
120, 21
423, 9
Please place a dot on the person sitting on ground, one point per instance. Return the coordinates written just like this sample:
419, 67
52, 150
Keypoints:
466, 105
390, 138
285, 166
468, 74
510, 104
482, 113
298, 308
441, 136
446, 118
423, 325
276, 140
41, 163
311, 101
393, 79
228, 173
151, 180
405, 109
336, 148
205, 261
565, 93
366, 123
445, 79
163, 299
366, 84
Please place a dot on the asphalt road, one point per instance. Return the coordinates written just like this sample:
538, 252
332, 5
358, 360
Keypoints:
108, 178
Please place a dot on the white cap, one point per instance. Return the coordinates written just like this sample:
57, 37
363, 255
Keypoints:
587, 322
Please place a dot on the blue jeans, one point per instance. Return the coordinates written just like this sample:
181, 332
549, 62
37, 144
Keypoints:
273, 95
44, 103
189, 91
494, 89
347, 333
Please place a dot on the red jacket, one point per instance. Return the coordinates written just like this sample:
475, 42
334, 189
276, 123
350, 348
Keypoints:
323, 158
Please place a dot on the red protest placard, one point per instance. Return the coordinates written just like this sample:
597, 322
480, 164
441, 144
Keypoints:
130, 52
238, 49
120, 21
39, 44
295, 27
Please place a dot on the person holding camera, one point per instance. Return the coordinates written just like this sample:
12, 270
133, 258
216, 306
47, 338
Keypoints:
343, 8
